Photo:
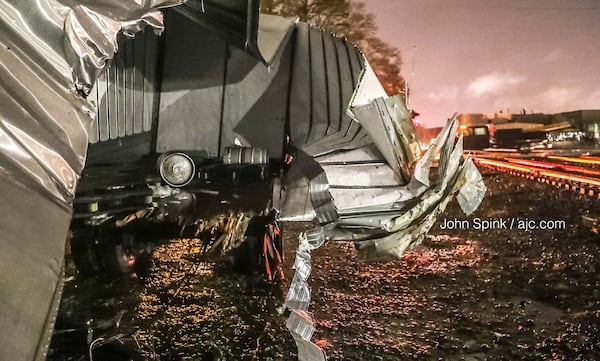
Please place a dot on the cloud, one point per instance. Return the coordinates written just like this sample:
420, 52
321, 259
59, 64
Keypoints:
447, 93
553, 56
552, 99
560, 98
557, 99
593, 100
493, 83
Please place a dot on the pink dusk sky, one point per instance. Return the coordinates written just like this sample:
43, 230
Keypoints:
483, 56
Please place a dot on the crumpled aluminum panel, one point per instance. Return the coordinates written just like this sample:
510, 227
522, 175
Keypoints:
91, 29
386, 120
44, 125
385, 234
383, 193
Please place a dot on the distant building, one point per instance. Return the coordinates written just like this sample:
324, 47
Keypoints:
583, 120
475, 119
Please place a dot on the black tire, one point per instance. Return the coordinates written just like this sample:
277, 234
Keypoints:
103, 250
246, 258
83, 250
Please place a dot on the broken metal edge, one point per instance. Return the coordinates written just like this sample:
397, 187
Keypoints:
300, 322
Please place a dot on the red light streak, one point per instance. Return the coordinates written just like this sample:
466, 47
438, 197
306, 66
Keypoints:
540, 172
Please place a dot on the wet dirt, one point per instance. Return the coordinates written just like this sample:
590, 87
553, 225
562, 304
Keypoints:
464, 294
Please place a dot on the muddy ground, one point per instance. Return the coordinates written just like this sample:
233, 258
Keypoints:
464, 294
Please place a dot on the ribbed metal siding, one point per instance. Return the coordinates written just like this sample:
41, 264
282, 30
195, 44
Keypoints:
213, 92
325, 74
125, 91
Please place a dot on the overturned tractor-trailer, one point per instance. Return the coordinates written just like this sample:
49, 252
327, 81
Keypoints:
119, 133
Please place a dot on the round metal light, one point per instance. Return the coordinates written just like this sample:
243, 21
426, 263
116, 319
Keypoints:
176, 169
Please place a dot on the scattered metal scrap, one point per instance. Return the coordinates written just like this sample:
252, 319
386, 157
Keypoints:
376, 194
390, 224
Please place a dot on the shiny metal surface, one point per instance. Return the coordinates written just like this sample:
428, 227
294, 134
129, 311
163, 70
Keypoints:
91, 29
300, 322
125, 93
245, 155
50, 53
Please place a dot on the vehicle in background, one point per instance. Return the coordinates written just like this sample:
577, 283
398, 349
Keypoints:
475, 137
519, 139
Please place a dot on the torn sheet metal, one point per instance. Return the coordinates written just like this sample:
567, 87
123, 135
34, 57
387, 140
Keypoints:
472, 192
367, 153
444, 140
43, 143
389, 124
376, 174
92, 27
384, 193
431, 196
408, 228
383, 234
300, 322
369, 88
394, 245
383, 215
380, 210
306, 171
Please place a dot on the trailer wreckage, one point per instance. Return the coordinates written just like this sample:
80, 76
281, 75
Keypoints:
120, 134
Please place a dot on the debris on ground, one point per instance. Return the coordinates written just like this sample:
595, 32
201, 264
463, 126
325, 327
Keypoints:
498, 294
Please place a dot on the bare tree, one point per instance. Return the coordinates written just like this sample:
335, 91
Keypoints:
350, 19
